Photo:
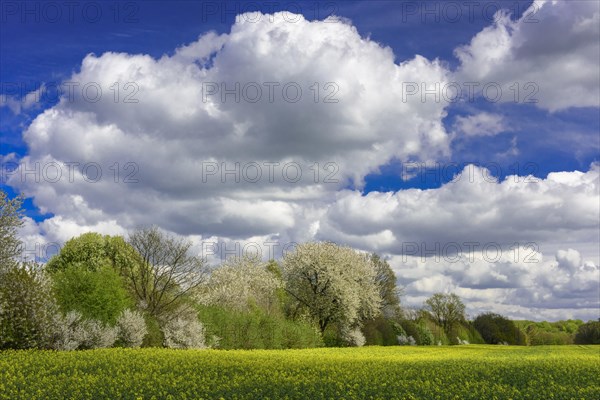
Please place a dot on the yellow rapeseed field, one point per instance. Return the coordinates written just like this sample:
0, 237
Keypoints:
459, 372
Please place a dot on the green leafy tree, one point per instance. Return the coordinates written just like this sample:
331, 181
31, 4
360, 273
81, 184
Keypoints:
380, 331
97, 294
588, 333
86, 276
166, 275
495, 329
94, 251
447, 310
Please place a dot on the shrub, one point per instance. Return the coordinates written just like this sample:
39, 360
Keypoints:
354, 337
154, 337
404, 340
380, 331
97, 294
27, 308
332, 337
97, 335
538, 337
425, 335
67, 333
419, 332
131, 328
495, 329
472, 335
588, 333
256, 330
184, 332
299, 335
72, 332
439, 336
461, 341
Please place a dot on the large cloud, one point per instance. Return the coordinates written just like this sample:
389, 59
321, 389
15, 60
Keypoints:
473, 208
178, 131
554, 45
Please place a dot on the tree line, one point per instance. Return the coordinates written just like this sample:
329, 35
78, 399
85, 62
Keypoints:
150, 290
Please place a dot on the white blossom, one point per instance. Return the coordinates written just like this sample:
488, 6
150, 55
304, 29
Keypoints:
184, 332
354, 337
333, 283
131, 328
73, 332
406, 340
240, 283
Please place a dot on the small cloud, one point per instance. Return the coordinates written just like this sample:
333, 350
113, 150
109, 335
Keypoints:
482, 124
30, 100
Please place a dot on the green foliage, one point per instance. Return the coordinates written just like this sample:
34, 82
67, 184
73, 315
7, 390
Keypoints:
332, 336
97, 293
570, 326
588, 333
154, 337
425, 331
380, 332
439, 336
93, 251
446, 310
426, 338
496, 329
274, 268
537, 337
411, 329
546, 333
472, 334
231, 329
27, 308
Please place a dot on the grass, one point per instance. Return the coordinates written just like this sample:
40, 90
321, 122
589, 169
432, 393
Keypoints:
458, 372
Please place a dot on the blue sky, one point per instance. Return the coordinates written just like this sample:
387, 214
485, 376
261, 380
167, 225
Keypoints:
397, 161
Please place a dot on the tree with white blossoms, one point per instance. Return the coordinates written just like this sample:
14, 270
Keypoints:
184, 332
67, 333
354, 336
72, 331
241, 283
131, 328
11, 220
333, 284
27, 307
